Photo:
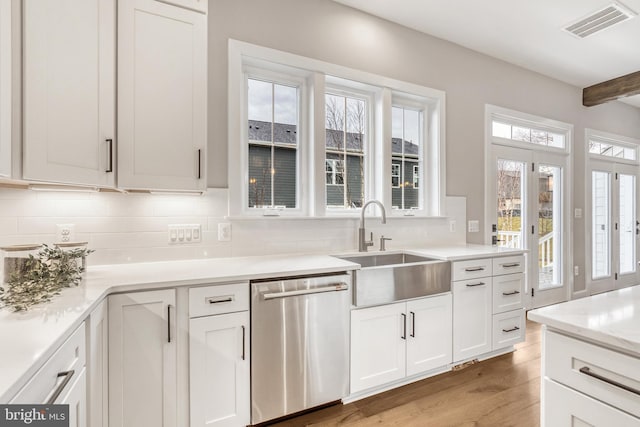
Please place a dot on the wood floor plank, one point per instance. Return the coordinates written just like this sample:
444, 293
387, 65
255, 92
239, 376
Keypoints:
500, 392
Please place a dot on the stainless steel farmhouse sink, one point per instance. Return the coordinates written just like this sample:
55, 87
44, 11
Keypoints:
385, 278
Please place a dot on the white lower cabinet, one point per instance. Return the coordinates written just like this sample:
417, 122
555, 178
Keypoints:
391, 342
61, 380
98, 366
142, 359
219, 356
219, 370
471, 318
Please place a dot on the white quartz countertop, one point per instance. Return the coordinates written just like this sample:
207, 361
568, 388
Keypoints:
611, 319
30, 338
465, 252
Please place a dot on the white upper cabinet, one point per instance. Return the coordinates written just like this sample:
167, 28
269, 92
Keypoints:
5, 88
69, 91
162, 96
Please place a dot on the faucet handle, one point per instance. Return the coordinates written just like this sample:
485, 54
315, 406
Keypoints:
370, 242
382, 242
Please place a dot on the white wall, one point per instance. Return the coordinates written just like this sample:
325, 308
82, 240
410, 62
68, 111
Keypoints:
325, 30
133, 227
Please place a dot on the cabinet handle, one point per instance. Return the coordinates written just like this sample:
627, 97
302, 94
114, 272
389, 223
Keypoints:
169, 323
511, 293
67, 377
199, 163
243, 340
470, 269
585, 370
515, 328
515, 264
110, 153
413, 324
404, 326
471, 285
218, 300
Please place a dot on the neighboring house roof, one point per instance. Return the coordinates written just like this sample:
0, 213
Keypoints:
287, 134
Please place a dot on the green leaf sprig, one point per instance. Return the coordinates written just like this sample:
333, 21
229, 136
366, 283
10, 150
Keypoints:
43, 277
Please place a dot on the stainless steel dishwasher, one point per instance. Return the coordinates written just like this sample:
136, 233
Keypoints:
299, 344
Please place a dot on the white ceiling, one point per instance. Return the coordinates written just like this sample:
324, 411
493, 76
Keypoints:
526, 33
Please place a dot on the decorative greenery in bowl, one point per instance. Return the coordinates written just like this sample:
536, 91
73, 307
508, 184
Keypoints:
43, 277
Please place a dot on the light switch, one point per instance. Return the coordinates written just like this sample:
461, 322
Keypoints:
577, 213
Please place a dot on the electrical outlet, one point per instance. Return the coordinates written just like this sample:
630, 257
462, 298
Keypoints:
224, 232
452, 226
474, 226
65, 232
180, 234
576, 270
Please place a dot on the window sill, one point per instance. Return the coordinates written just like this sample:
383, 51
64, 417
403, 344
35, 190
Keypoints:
355, 217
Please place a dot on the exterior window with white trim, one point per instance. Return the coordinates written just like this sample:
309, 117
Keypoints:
346, 124
272, 144
406, 149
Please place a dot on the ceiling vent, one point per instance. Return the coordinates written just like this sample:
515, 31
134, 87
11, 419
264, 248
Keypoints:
600, 20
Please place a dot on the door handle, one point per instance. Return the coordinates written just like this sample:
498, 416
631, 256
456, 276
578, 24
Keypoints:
243, 342
110, 154
169, 323
199, 163
404, 326
413, 324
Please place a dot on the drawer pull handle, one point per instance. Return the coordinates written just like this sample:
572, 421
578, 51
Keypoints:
218, 300
244, 339
169, 323
585, 370
67, 377
404, 326
515, 328
515, 264
510, 293
470, 269
471, 285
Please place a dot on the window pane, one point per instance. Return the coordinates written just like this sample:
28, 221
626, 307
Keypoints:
509, 185
601, 245
284, 177
556, 140
549, 227
285, 114
260, 110
627, 223
405, 161
501, 130
346, 128
259, 176
539, 137
273, 119
521, 134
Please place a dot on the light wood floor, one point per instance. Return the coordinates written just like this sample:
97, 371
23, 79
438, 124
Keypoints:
503, 391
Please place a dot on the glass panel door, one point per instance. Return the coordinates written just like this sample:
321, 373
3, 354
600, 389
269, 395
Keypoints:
549, 226
510, 182
627, 225
600, 225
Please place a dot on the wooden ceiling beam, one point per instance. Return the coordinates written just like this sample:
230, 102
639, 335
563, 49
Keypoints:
611, 90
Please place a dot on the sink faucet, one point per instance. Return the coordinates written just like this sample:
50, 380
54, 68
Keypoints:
363, 244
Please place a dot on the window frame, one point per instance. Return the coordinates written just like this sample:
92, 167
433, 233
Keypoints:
316, 75
613, 139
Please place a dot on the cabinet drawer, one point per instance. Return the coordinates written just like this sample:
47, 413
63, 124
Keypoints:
219, 299
507, 292
593, 370
462, 270
563, 407
69, 359
508, 265
508, 328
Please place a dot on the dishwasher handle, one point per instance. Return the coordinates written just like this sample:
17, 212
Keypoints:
342, 286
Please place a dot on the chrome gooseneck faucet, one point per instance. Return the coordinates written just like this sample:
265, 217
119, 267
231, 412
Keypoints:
363, 244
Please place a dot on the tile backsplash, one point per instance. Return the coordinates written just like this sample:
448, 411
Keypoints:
126, 228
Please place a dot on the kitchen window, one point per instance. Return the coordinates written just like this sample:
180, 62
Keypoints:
309, 138
406, 155
273, 141
346, 127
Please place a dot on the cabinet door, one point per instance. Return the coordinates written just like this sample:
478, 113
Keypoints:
378, 349
219, 370
142, 359
97, 366
472, 318
564, 407
69, 91
429, 326
162, 95
5, 88
76, 398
